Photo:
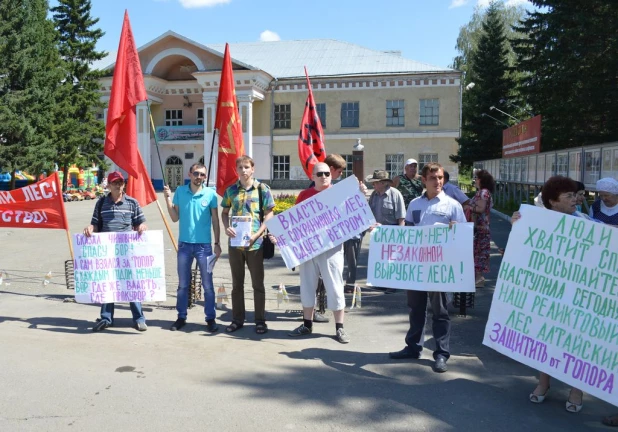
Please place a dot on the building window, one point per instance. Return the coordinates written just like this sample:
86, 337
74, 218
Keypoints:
173, 117
347, 171
281, 167
395, 113
200, 116
430, 112
349, 115
394, 164
425, 158
321, 109
283, 116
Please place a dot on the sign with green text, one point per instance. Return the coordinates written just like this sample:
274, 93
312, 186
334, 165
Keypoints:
117, 267
555, 307
423, 258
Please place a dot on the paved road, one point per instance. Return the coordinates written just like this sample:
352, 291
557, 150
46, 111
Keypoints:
57, 375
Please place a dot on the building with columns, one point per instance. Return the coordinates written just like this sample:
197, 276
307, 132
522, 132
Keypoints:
398, 108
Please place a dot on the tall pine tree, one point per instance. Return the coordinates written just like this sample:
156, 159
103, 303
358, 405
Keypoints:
570, 65
29, 77
488, 69
78, 133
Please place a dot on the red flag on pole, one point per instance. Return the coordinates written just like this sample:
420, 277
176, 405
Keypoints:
311, 148
127, 91
140, 187
227, 122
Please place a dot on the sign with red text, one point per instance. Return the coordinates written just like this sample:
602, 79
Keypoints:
522, 139
321, 222
117, 267
38, 205
555, 306
423, 258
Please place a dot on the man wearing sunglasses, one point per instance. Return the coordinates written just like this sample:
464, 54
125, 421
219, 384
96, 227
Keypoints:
329, 264
195, 206
117, 212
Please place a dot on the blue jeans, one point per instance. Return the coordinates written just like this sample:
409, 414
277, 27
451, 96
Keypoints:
107, 312
186, 253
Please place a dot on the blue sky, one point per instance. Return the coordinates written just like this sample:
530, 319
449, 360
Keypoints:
423, 30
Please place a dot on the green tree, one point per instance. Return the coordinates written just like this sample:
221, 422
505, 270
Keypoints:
78, 134
569, 62
488, 68
29, 76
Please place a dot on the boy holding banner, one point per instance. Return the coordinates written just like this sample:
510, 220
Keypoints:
433, 207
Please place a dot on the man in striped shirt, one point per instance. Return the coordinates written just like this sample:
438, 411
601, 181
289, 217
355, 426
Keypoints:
117, 212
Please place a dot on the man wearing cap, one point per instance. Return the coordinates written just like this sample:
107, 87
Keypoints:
605, 209
433, 207
195, 205
117, 212
409, 183
386, 202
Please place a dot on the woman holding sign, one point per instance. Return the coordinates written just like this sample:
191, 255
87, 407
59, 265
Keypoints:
477, 211
559, 194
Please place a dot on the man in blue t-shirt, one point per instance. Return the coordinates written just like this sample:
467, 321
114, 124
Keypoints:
196, 207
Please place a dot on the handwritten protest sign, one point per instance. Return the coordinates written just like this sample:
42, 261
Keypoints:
425, 258
38, 205
555, 307
119, 267
321, 222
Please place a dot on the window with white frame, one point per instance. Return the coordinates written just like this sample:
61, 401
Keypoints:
281, 167
173, 117
395, 115
321, 110
425, 158
350, 113
200, 116
394, 164
283, 116
430, 112
347, 171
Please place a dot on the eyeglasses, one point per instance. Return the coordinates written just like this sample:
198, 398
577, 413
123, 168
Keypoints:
118, 182
198, 174
323, 173
569, 195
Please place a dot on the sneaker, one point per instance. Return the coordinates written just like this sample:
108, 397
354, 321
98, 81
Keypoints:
320, 318
100, 325
180, 323
300, 331
405, 353
211, 326
342, 336
141, 326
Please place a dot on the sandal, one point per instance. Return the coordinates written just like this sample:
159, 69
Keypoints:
261, 328
610, 421
233, 327
538, 398
573, 407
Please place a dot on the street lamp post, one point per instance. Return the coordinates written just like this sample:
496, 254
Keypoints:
357, 160
508, 103
494, 119
491, 108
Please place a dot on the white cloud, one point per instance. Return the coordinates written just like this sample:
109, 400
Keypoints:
457, 3
105, 61
189, 4
511, 3
484, 3
269, 36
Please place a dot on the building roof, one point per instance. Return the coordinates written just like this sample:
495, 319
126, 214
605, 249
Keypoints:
323, 57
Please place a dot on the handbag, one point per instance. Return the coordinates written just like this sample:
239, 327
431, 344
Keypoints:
268, 248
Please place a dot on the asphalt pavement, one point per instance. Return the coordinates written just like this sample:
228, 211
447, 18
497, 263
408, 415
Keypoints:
57, 375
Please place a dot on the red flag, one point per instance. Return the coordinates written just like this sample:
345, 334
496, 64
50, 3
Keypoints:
227, 122
140, 187
311, 148
39, 205
127, 91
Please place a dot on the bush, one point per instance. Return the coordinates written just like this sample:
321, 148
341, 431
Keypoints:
284, 202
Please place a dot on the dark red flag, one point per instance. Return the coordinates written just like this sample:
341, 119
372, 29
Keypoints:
140, 187
227, 122
311, 148
127, 91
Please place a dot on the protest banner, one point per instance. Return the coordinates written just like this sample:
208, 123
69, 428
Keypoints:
424, 258
321, 222
116, 267
38, 205
555, 307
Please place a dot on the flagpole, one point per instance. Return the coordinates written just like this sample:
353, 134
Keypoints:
212, 151
154, 132
70, 243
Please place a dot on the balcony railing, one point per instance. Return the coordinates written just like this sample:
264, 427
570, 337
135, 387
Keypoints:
180, 133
